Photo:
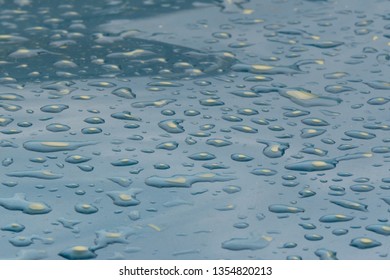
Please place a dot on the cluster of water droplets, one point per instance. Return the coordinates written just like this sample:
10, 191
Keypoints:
252, 129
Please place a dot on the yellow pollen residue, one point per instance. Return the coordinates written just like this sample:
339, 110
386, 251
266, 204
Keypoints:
302, 95
367, 154
203, 154
291, 208
80, 249
311, 131
319, 163
2, 120
55, 144
36, 206
125, 197
103, 83
339, 216
316, 120
47, 172
156, 228
14, 225
113, 235
6, 36
265, 170
168, 145
375, 37
246, 128
320, 61
58, 126
261, 67
86, 206
77, 157
218, 141
180, 180
364, 133
386, 228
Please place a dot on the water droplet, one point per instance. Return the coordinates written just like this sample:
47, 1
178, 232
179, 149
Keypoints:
334, 218
237, 244
55, 146
18, 202
77, 253
313, 237
312, 165
263, 172
281, 208
244, 128
55, 108
125, 198
362, 187
360, 134
185, 181
364, 243
14, 227
124, 92
38, 174
274, 149
124, 162
241, 157
217, 142
202, 156
85, 208
325, 254
171, 126
349, 204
